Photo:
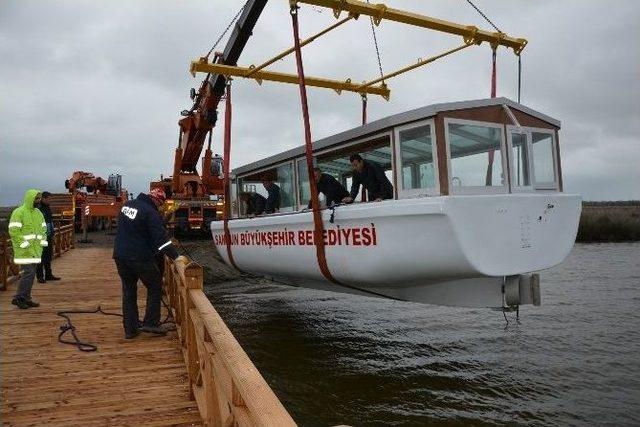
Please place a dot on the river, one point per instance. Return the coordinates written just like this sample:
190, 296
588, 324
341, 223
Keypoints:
342, 359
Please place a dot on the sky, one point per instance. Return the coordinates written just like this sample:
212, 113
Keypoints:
98, 85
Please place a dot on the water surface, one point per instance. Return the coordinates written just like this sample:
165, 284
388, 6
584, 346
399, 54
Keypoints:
341, 359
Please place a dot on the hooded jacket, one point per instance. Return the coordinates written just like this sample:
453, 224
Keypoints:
141, 233
28, 231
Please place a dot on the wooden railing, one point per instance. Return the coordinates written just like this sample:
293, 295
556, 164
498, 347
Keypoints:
226, 385
63, 240
9, 271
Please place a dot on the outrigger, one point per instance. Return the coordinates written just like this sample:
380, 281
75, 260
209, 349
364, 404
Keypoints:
478, 203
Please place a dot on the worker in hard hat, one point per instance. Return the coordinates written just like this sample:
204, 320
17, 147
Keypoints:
140, 238
28, 232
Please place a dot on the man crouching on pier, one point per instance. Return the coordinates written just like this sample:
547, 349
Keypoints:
141, 236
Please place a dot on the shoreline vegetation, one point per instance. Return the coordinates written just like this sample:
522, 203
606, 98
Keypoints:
600, 221
609, 222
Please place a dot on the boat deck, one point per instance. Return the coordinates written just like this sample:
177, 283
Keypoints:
126, 382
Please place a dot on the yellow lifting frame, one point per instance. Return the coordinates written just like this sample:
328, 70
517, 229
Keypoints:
420, 63
304, 42
203, 66
380, 11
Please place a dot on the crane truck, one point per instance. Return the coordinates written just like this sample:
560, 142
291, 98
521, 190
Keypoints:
194, 200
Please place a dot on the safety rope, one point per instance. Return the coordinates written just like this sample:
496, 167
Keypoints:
235, 18
225, 164
315, 205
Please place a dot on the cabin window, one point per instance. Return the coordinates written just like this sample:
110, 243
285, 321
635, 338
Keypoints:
520, 175
282, 176
476, 158
533, 160
543, 159
304, 191
377, 150
416, 153
284, 180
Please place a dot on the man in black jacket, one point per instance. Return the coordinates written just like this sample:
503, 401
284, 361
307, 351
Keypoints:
43, 270
140, 238
372, 177
272, 205
254, 203
333, 191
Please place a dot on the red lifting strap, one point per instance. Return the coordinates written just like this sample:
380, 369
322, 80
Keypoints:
491, 153
317, 215
225, 165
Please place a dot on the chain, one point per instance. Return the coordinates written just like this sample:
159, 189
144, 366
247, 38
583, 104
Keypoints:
235, 18
375, 42
483, 15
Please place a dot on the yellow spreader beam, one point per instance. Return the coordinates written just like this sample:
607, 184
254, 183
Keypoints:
203, 66
381, 11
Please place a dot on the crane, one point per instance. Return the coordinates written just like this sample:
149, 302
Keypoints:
188, 190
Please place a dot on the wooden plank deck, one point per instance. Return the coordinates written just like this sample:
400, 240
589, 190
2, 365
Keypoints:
126, 382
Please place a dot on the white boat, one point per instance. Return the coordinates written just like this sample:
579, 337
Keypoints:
478, 209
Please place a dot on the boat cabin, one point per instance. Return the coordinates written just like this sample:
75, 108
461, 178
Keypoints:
487, 146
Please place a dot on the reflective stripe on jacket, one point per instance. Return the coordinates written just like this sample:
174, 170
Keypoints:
28, 231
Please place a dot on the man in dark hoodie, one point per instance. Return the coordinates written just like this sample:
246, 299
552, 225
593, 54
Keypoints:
371, 176
333, 191
140, 238
43, 270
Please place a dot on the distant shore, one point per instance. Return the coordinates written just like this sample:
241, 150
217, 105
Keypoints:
610, 222
600, 221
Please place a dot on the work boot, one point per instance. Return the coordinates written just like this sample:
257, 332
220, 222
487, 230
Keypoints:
129, 336
32, 303
158, 330
52, 278
20, 303
41, 280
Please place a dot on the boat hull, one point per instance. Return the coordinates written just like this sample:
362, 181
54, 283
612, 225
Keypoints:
401, 247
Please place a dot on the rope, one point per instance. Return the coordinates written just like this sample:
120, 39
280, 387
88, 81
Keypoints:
81, 345
88, 347
483, 15
235, 18
317, 215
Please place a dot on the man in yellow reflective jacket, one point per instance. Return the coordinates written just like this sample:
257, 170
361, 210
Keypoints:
28, 232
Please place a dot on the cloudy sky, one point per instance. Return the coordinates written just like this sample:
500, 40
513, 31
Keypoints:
98, 85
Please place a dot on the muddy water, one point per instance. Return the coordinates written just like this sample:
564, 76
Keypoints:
335, 358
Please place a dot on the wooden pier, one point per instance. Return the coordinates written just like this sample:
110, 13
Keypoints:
197, 375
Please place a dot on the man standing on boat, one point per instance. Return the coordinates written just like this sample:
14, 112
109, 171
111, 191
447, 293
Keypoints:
140, 238
43, 271
28, 232
372, 177
333, 191
273, 200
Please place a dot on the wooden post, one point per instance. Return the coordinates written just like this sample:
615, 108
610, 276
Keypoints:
3, 263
